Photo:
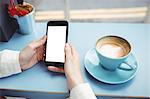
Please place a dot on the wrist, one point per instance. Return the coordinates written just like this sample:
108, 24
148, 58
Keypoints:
74, 81
21, 61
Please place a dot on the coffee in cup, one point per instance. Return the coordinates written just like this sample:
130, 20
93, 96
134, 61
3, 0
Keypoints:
113, 47
113, 51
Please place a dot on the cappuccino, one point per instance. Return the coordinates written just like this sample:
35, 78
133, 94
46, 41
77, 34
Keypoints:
113, 47
111, 50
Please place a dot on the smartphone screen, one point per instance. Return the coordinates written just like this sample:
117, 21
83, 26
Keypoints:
56, 39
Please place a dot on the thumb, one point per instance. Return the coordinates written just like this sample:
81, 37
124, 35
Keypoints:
68, 50
39, 42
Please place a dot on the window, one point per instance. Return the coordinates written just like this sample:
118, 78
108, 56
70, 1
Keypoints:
92, 10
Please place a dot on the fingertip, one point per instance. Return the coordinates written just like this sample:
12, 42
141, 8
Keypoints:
48, 67
43, 39
67, 44
51, 68
55, 69
68, 49
45, 36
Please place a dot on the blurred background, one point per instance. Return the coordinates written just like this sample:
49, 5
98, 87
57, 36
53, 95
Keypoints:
126, 11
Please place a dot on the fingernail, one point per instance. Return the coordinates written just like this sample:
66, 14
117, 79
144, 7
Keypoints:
67, 45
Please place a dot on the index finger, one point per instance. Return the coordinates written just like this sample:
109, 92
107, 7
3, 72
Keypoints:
39, 42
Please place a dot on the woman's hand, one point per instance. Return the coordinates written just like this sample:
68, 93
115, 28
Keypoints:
71, 68
31, 54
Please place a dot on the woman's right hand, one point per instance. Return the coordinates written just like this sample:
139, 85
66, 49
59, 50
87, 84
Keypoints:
72, 67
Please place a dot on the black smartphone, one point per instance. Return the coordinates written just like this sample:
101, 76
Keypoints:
57, 36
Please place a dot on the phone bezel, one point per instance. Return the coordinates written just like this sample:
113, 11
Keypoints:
56, 23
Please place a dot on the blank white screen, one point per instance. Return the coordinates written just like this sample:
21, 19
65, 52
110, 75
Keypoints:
55, 43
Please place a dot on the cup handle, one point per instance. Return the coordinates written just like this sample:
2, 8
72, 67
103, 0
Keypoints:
124, 65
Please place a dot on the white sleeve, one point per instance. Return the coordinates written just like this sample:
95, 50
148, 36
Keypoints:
82, 91
9, 63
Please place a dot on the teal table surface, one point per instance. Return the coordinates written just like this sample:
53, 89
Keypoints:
83, 36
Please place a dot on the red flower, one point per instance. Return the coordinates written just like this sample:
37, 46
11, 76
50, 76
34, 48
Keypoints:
13, 10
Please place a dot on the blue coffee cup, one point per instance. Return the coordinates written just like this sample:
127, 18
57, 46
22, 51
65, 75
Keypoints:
113, 51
